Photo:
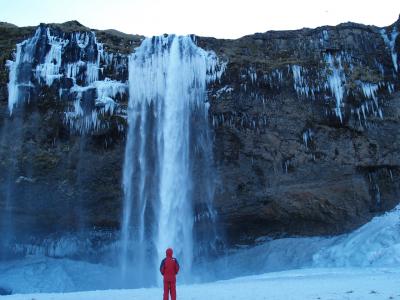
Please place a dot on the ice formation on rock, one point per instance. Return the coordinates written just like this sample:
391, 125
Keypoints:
390, 42
47, 58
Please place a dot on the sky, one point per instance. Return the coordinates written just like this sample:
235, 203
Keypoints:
217, 18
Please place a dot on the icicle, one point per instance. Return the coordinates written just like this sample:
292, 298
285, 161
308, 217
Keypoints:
390, 43
307, 136
50, 69
335, 82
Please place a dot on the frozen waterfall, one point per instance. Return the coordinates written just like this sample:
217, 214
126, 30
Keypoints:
167, 176
20, 71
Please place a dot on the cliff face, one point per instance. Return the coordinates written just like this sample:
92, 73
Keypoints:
307, 129
305, 123
62, 147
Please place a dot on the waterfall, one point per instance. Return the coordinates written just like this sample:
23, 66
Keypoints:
167, 175
19, 90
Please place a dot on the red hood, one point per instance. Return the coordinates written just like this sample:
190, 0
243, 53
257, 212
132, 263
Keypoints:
169, 252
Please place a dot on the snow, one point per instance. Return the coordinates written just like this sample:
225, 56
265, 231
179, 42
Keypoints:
318, 266
38, 274
374, 245
377, 243
332, 284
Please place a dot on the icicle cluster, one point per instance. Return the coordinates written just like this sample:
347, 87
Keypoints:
78, 58
390, 42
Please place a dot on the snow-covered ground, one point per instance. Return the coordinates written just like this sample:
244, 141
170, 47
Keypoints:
364, 263
349, 283
376, 244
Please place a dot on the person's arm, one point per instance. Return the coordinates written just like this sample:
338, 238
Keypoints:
176, 266
162, 265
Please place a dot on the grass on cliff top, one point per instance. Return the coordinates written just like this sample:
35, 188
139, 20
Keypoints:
113, 40
70, 26
10, 35
116, 41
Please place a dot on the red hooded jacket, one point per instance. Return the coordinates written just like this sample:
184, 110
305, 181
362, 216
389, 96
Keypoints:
169, 266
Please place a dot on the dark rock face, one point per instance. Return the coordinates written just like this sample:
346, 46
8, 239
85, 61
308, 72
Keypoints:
287, 163
306, 133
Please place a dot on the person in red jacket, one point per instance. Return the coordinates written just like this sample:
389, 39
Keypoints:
169, 268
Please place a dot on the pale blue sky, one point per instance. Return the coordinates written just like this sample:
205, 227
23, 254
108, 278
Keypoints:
218, 18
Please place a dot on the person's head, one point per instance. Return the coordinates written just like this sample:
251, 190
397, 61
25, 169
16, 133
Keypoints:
169, 252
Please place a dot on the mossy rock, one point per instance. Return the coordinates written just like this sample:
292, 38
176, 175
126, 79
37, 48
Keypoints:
365, 74
46, 160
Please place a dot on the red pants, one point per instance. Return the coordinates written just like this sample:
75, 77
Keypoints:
169, 287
